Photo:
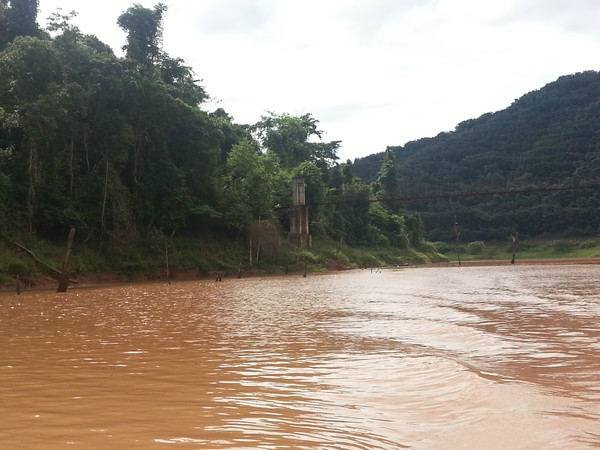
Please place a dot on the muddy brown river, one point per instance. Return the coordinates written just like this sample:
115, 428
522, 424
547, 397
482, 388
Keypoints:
504, 357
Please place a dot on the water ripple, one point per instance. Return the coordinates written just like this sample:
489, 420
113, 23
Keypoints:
419, 358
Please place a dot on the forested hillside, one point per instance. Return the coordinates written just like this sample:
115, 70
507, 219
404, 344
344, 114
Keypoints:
547, 139
123, 149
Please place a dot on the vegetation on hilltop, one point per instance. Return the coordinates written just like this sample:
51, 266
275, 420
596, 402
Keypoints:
547, 139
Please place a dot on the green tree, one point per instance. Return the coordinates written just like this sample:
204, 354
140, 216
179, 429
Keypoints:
347, 171
19, 18
30, 72
144, 32
180, 81
353, 207
387, 179
288, 137
251, 184
4, 39
192, 143
232, 133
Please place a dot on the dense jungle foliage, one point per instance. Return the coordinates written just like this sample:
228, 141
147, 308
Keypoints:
547, 139
122, 149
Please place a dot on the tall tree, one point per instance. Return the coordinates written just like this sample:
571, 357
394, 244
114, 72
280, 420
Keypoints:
232, 133
20, 18
388, 176
3, 23
354, 212
144, 32
94, 131
180, 82
30, 71
251, 182
387, 179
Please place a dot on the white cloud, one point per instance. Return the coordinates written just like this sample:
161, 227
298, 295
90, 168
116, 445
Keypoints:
374, 73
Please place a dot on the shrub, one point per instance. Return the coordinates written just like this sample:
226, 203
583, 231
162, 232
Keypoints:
15, 267
444, 247
476, 247
563, 246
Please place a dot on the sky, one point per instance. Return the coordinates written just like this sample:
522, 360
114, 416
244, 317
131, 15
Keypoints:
374, 73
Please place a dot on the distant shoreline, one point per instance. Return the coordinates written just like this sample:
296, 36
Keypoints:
536, 261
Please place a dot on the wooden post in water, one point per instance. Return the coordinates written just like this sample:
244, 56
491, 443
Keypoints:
63, 278
167, 262
515, 241
18, 282
167, 256
457, 233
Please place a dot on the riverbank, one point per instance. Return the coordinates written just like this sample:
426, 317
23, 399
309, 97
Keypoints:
42, 282
528, 261
204, 260
35, 262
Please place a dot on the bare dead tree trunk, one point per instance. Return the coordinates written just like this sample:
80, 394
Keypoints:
250, 247
140, 140
38, 260
71, 165
515, 242
63, 279
167, 262
167, 256
258, 239
104, 199
31, 188
87, 150
457, 233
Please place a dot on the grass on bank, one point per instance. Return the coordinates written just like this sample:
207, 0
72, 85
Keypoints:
539, 248
147, 258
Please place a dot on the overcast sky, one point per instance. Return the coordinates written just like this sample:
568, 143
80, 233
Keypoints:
373, 72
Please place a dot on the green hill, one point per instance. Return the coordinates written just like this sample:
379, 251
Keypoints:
547, 139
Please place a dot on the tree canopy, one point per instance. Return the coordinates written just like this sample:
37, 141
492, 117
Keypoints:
548, 138
123, 148
144, 32
289, 138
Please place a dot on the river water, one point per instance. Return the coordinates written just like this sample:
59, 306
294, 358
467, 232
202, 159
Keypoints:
441, 357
